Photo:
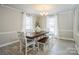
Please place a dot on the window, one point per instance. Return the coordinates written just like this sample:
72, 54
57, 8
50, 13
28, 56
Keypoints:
28, 23
52, 24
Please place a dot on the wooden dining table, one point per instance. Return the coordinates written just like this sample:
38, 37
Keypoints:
36, 37
32, 35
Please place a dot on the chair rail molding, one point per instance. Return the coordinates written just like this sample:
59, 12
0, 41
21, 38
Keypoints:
65, 30
8, 32
6, 44
7, 38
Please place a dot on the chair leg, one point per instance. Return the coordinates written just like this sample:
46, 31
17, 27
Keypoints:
20, 49
44, 48
38, 48
34, 47
26, 51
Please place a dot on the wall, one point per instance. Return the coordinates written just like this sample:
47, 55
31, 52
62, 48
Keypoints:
10, 23
65, 25
42, 22
76, 28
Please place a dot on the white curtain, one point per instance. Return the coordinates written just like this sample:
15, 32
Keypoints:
27, 23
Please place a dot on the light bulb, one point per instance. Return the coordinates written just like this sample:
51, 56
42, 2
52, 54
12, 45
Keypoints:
44, 13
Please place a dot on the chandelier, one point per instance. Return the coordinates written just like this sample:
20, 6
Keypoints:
44, 13
42, 9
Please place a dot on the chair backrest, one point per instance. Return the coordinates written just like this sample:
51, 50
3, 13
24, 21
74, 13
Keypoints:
22, 37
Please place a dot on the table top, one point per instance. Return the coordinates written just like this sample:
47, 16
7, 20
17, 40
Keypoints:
33, 35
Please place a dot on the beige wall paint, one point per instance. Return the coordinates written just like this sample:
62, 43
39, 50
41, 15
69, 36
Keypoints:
42, 21
10, 23
10, 20
65, 24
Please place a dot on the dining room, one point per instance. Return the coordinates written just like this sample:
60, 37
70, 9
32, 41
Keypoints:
39, 29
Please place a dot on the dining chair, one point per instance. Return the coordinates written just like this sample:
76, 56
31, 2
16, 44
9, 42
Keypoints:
43, 44
25, 43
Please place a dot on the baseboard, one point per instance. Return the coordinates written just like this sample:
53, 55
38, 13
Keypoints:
66, 38
9, 43
76, 48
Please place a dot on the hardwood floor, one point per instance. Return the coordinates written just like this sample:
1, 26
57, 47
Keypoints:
12, 49
63, 47
59, 47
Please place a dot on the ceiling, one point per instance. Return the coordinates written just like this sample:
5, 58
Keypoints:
37, 8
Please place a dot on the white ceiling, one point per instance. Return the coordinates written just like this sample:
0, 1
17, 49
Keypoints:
35, 8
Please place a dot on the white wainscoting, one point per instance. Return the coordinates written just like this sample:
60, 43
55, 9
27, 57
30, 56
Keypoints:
7, 38
66, 34
77, 42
